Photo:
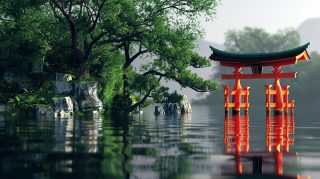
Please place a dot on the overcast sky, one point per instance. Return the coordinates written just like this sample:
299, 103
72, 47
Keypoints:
271, 15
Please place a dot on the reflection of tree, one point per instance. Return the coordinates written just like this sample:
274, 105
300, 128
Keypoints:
117, 152
160, 147
2, 124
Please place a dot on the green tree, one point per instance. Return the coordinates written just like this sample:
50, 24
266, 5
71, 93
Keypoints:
164, 30
164, 33
252, 39
84, 36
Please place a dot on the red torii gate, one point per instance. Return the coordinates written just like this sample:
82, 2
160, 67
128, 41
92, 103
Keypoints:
256, 61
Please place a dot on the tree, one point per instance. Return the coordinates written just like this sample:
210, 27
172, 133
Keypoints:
83, 36
164, 31
161, 29
252, 39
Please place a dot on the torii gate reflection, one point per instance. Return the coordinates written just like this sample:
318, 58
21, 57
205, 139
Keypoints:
279, 138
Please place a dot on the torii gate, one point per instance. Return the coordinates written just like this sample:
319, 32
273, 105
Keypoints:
256, 61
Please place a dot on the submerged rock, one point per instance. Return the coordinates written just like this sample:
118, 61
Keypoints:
172, 108
2, 108
87, 96
63, 107
158, 110
185, 105
43, 111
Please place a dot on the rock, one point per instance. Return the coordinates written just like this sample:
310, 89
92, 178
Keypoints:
63, 88
2, 108
63, 77
62, 114
63, 107
43, 111
37, 67
185, 105
172, 108
175, 108
8, 77
75, 105
158, 110
86, 94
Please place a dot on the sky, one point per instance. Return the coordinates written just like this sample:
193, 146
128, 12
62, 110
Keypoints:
271, 15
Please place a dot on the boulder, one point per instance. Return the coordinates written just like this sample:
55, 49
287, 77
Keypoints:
2, 108
37, 67
63, 84
63, 88
86, 93
158, 110
8, 77
62, 114
172, 108
185, 105
63, 77
43, 111
62, 107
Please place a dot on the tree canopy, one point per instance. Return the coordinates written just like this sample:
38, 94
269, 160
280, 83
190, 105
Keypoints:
102, 38
252, 39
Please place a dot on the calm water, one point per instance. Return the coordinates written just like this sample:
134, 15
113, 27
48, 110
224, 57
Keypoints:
204, 144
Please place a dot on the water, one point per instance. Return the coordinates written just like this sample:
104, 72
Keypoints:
203, 144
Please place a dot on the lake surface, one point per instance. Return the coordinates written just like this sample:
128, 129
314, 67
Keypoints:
204, 144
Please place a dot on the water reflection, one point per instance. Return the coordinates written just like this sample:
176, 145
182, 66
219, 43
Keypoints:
160, 147
255, 163
179, 146
2, 124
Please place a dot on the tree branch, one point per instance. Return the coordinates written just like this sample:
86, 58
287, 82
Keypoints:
134, 106
97, 17
134, 57
73, 28
154, 72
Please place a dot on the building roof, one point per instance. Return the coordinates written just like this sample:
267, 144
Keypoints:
285, 57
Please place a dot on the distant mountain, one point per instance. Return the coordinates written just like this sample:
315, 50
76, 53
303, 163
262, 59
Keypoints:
309, 31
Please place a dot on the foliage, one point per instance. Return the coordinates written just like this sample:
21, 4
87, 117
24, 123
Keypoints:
112, 78
252, 39
103, 38
164, 96
29, 98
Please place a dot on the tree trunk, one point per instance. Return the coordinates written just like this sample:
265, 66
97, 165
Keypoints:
125, 82
84, 70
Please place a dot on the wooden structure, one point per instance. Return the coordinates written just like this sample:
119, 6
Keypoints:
256, 61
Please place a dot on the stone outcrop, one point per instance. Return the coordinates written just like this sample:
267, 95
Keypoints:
158, 110
2, 108
63, 84
86, 94
63, 88
172, 108
62, 107
185, 105
182, 107
44, 111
